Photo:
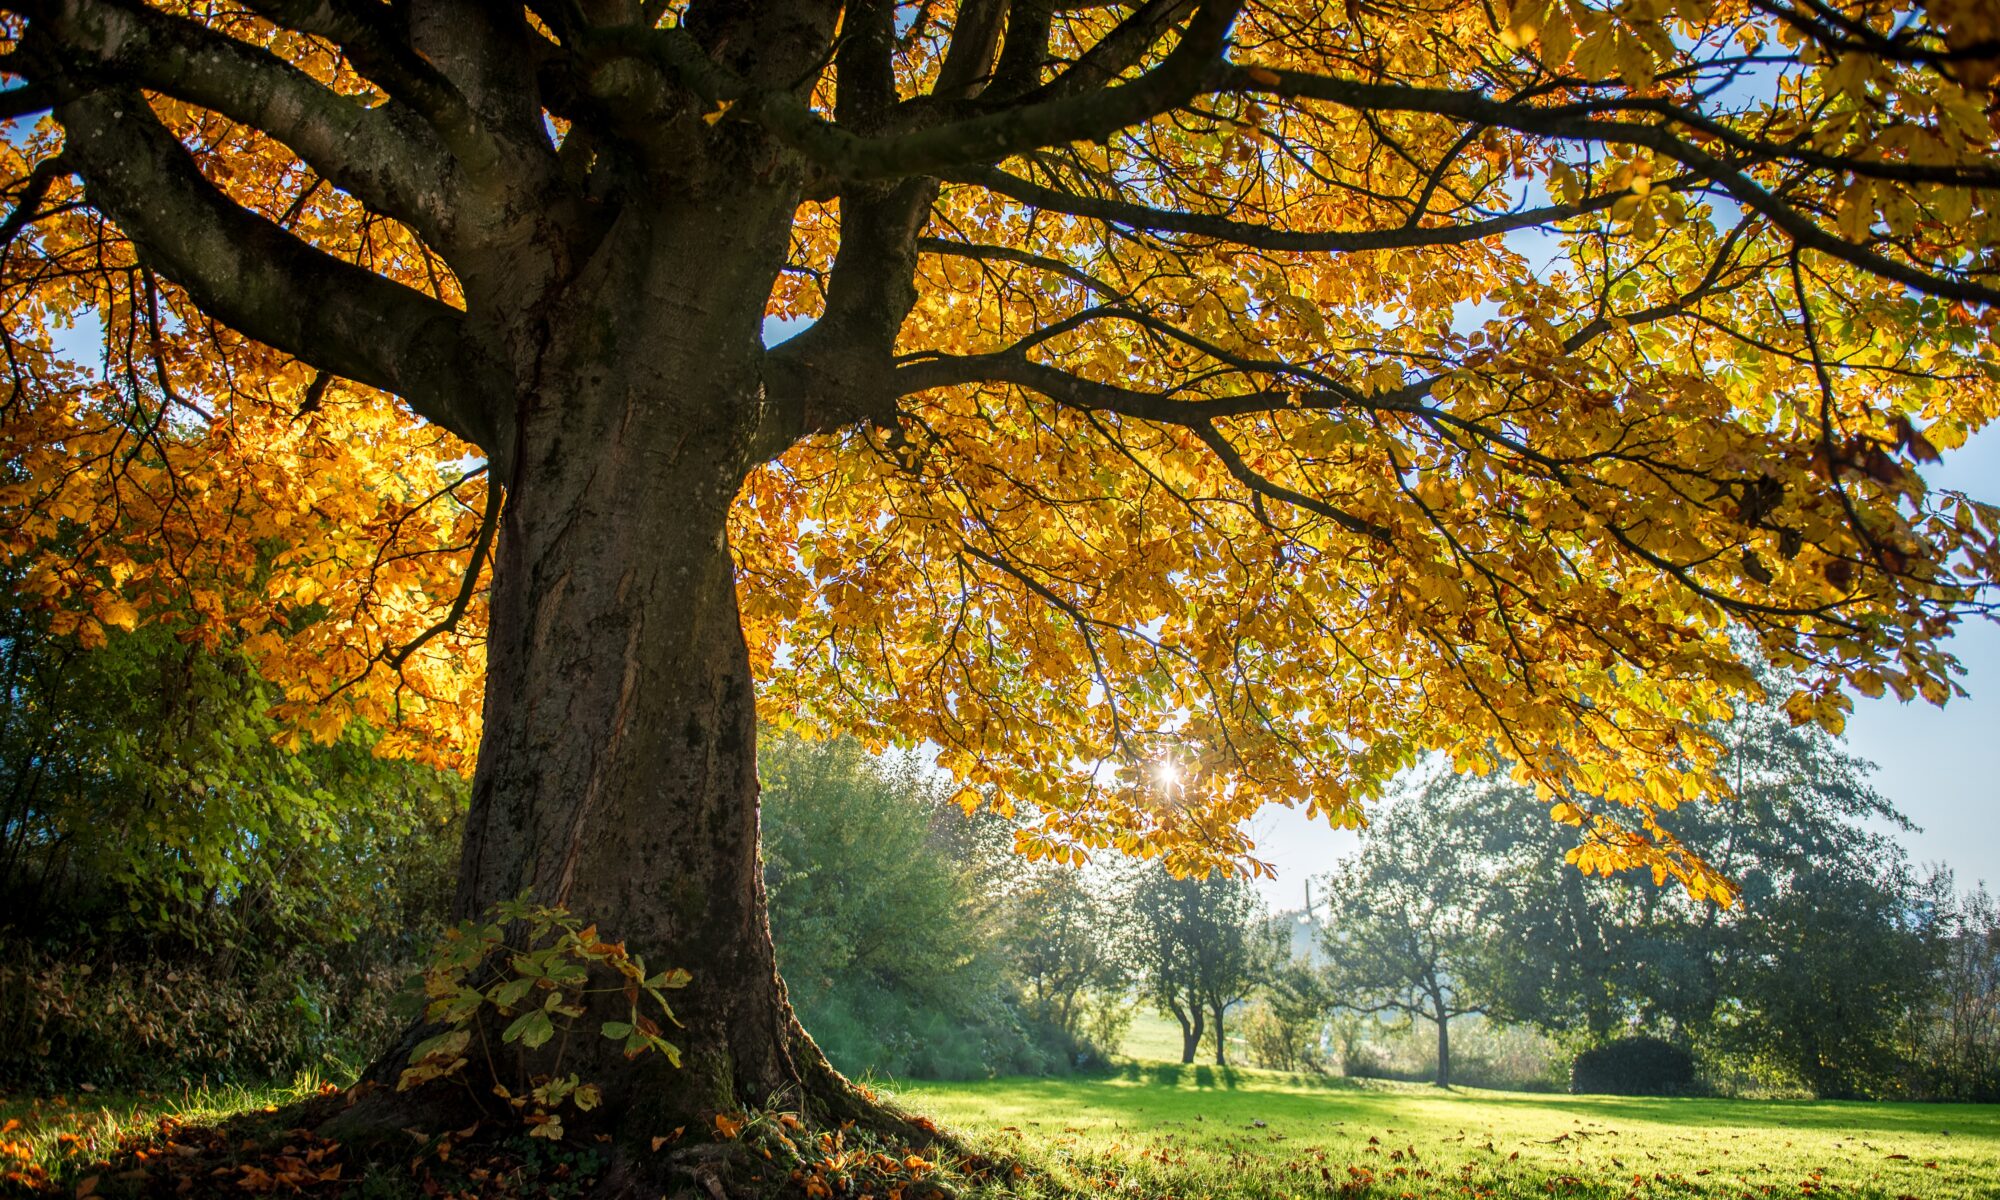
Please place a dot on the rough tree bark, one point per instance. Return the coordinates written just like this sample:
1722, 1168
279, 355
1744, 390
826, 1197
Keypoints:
617, 771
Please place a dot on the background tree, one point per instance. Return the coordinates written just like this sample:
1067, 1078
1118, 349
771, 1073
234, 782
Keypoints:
1065, 937
1956, 1047
1201, 950
1831, 918
1285, 1032
889, 942
1820, 980
1097, 450
1237, 956
1403, 930
182, 895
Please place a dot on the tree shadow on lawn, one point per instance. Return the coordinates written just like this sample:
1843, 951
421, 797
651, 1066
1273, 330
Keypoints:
1173, 1075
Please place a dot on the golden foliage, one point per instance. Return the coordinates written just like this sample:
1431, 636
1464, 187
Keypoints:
1504, 495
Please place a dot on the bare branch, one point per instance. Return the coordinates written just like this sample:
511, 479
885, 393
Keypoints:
468, 583
363, 29
34, 189
1263, 237
1118, 51
390, 162
988, 252
1580, 125
257, 278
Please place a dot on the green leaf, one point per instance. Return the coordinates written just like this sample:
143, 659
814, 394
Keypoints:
531, 1029
446, 1044
508, 994
676, 978
616, 1029
457, 1007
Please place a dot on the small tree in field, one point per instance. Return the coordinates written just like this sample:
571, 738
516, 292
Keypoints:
1403, 929
1065, 940
1201, 951
1832, 943
1174, 383
1286, 1031
1957, 1041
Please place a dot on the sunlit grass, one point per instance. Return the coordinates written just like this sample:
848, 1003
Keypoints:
1158, 1129
1153, 1037
69, 1137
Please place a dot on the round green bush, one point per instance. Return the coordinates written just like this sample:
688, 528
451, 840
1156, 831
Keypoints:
1634, 1066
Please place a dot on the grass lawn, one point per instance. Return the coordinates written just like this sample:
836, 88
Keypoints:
1153, 1129
1154, 1038
56, 1140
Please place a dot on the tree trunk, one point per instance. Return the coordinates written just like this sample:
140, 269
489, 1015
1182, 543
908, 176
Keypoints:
617, 769
1221, 1039
1191, 1030
1443, 1020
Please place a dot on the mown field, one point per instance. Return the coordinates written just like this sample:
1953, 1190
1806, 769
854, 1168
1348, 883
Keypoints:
1158, 1129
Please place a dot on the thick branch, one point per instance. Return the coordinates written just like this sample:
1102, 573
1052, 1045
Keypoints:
392, 165
1093, 115
382, 53
258, 279
25, 101
838, 371
34, 190
975, 39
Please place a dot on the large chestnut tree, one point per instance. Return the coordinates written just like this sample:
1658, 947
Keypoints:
1188, 405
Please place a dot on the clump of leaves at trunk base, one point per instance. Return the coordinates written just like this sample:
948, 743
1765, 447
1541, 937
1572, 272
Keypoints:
527, 990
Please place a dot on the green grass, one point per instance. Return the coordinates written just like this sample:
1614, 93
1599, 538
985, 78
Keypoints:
65, 1136
1153, 1037
1151, 1129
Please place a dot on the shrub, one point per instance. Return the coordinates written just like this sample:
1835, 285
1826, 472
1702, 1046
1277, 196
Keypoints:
66, 1021
1634, 1066
888, 940
539, 985
261, 997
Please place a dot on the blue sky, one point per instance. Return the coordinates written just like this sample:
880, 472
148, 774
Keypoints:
1941, 767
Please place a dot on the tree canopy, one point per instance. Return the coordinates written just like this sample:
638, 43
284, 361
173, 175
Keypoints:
1194, 403
1189, 404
